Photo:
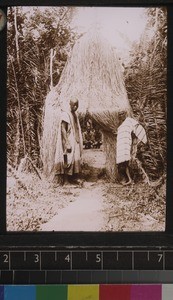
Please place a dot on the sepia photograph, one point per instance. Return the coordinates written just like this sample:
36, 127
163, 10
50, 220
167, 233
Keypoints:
86, 119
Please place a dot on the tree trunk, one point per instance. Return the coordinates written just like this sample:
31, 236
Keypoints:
19, 108
16, 36
52, 55
17, 142
28, 130
110, 141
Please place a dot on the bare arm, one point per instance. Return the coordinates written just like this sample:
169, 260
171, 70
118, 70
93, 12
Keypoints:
65, 141
64, 136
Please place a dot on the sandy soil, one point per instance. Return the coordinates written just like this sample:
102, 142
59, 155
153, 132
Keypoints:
84, 214
95, 205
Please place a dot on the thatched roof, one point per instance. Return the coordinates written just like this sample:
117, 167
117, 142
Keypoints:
92, 75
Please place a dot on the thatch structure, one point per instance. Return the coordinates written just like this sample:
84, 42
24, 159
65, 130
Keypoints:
92, 75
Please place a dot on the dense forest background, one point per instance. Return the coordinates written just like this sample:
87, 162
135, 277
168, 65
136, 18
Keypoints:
39, 45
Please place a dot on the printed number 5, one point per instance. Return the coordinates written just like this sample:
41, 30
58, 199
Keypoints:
98, 258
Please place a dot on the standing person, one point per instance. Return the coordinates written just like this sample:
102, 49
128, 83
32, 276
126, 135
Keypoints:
88, 138
129, 134
98, 138
69, 145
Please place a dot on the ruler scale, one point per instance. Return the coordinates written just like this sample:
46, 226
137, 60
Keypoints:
84, 266
87, 260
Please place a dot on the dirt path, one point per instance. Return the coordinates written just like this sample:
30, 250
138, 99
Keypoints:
102, 206
84, 214
97, 205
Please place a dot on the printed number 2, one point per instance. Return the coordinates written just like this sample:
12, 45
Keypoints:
6, 258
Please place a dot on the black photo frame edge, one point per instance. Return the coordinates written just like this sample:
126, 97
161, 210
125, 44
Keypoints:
87, 239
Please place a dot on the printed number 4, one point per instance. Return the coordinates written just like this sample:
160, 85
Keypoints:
67, 258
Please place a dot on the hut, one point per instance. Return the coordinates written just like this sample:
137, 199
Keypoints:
93, 75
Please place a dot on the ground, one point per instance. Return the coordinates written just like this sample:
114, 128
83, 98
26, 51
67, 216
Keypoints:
34, 204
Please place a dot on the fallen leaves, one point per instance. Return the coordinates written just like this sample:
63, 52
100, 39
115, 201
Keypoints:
32, 202
135, 208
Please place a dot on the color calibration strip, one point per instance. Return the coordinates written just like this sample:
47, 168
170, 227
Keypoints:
92, 292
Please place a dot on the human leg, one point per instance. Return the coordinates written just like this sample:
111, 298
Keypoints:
128, 175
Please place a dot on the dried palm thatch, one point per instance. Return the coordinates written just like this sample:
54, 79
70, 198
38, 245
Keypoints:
92, 75
50, 132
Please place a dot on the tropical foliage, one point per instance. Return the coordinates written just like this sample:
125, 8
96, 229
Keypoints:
39, 43
38, 46
146, 83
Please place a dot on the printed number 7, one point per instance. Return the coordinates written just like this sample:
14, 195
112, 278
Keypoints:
160, 256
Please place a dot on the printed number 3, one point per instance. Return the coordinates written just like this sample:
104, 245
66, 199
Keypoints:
36, 258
